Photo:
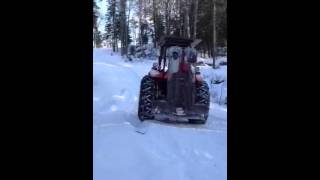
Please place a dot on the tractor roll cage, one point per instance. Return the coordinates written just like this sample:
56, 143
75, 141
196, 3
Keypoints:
168, 41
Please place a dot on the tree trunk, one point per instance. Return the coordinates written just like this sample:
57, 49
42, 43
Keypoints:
155, 18
127, 28
195, 19
180, 18
117, 45
186, 20
187, 23
203, 52
122, 25
166, 17
113, 26
214, 33
140, 22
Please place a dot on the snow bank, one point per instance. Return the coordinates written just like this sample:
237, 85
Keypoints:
146, 51
210, 61
217, 81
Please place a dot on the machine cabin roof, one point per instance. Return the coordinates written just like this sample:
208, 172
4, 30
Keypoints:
168, 41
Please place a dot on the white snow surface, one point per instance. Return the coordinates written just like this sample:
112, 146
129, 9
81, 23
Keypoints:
167, 151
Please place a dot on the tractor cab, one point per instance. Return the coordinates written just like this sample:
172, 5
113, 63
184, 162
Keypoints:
177, 51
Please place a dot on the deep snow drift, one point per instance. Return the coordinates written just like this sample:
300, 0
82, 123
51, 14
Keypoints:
166, 151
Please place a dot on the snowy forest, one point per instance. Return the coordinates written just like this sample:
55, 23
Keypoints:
128, 26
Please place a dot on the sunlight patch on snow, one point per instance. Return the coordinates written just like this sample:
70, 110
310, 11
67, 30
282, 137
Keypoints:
196, 152
113, 108
208, 155
105, 64
127, 65
111, 124
122, 98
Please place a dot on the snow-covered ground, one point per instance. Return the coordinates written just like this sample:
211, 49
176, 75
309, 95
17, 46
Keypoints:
165, 151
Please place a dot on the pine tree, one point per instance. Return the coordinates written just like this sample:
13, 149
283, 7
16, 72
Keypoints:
95, 25
123, 26
184, 18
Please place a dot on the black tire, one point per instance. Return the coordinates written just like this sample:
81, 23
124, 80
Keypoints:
202, 93
202, 97
146, 98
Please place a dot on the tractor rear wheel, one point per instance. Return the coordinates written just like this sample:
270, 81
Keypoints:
146, 98
203, 98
